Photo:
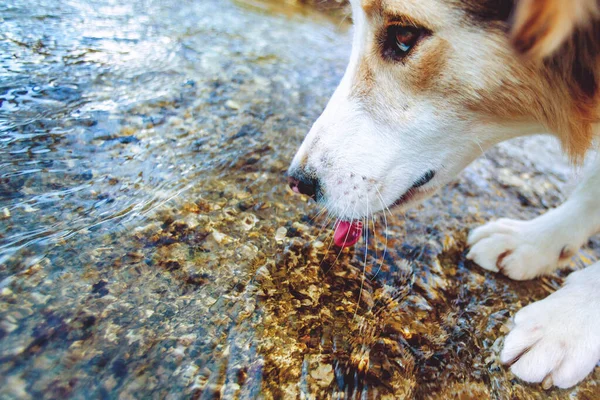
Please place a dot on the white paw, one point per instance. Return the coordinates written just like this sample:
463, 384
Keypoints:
557, 340
524, 249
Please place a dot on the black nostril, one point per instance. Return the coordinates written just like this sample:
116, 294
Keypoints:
308, 187
304, 184
293, 182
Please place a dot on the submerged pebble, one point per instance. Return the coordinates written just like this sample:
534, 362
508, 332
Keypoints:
280, 233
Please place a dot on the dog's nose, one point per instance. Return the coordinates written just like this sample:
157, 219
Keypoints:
303, 184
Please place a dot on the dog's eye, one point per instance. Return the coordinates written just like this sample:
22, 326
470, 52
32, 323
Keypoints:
400, 40
405, 38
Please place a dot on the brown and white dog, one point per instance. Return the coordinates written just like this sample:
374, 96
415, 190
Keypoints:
432, 83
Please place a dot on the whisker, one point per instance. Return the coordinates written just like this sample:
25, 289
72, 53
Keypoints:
332, 234
329, 219
386, 235
346, 16
481, 148
362, 280
320, 213
374, 224
324, 224
383, 202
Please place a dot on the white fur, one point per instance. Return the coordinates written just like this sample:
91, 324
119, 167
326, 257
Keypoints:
365, 160
558, 337
527, 249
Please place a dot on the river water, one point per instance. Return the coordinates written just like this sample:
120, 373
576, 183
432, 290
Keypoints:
86, 87
149, 247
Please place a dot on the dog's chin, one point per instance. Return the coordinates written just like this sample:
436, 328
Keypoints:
413, 198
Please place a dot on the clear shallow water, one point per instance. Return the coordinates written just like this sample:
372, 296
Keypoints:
149, 247
86, 86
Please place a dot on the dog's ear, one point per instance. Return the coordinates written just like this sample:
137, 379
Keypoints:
540, 27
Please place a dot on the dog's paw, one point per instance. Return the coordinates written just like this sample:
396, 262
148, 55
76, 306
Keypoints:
556, 340
524, 250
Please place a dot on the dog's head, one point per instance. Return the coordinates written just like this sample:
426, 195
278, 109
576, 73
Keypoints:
431, 84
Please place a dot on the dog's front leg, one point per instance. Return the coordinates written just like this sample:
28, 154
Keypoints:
526, 249
557, 340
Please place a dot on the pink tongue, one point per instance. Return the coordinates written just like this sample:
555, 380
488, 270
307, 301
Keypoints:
347, 233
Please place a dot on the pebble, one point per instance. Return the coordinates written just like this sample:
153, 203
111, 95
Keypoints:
39, 298
323, 375
8, 326
221, 238
27, 208
280, 234
232, 104
249, 221
17, 387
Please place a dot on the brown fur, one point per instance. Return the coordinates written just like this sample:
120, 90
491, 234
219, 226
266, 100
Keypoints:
566, 36
488, 11
370, 6
577, 64
550, 74
432, 65
540, 27
363, 81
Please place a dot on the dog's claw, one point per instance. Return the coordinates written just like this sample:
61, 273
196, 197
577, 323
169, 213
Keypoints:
555, 341
524, 250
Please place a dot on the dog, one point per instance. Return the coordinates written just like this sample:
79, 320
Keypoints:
430, 85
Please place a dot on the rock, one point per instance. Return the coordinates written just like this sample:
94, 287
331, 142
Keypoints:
320, 372
232, 104
221, 238
280, 234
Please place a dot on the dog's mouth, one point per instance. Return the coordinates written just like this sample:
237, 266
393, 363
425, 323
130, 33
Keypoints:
347, 233
416, 191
